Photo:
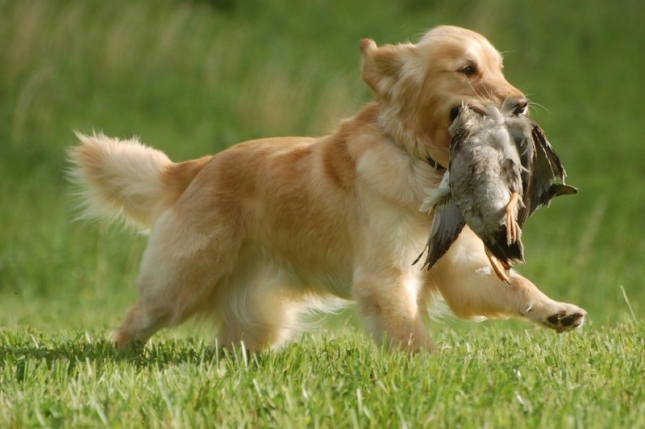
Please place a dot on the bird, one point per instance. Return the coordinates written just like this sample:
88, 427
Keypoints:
501, 170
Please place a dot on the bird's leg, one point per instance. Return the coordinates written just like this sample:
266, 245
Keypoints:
512, 229
499, 268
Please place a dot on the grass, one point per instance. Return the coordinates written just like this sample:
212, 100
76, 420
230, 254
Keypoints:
193, 77
500, 379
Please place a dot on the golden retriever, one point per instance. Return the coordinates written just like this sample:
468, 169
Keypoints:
257, 235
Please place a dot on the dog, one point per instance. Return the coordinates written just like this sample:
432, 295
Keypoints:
267, 230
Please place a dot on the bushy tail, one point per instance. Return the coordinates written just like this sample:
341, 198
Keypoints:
126, 180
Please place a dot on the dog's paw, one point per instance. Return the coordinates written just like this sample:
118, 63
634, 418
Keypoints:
566, 319
558, 316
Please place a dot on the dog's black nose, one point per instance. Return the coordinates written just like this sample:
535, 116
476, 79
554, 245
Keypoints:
521, 106
515, 105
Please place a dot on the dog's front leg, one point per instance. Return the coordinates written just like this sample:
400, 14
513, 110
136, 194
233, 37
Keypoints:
466, 281
387, 303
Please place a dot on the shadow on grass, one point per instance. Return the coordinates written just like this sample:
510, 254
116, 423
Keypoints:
23, 352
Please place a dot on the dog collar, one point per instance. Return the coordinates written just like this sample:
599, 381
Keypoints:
434, 164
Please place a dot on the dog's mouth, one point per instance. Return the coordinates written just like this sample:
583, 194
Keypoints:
517, 110
454, 112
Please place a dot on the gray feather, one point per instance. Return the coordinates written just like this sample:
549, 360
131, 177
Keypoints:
494, 156
546, 169
446, 227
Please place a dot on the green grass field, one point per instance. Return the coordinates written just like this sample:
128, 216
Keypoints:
193, 77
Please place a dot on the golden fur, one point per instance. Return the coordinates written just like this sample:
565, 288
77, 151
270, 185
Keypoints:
258, 234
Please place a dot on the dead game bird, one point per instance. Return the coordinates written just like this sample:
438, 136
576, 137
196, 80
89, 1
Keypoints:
501, 170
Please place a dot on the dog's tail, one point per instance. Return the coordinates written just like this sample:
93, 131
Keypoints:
126, 180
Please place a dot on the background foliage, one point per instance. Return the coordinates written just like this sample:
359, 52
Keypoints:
193, 77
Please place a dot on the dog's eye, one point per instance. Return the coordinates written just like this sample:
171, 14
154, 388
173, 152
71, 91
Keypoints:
468, 70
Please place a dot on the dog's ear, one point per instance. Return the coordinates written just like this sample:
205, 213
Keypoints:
384, 66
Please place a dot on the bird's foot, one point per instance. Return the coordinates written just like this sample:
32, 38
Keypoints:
501, 270
512, 228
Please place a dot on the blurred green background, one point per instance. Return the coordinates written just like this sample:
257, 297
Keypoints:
192, 77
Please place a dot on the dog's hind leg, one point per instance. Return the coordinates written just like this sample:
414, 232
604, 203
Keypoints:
180, 273
256, 309
266, 324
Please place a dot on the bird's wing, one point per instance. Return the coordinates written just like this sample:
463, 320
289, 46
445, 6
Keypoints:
547, 169
519, 128
461, 128
446, 226
448, 221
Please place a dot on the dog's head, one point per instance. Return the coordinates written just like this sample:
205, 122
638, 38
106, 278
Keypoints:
420, 87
